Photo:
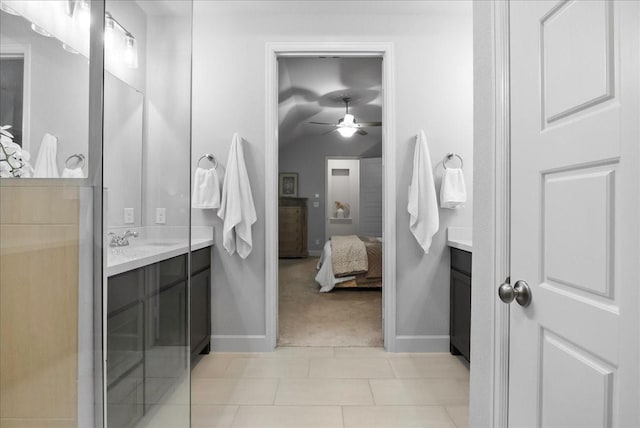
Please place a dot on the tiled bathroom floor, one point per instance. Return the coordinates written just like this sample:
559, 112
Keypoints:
329, 387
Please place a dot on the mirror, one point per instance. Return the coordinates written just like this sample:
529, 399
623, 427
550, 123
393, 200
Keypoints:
123, 113
44, 83
44, 97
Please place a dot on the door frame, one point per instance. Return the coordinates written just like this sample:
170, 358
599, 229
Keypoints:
491, 222
312, 49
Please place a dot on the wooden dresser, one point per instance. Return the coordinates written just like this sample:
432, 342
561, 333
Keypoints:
292, 227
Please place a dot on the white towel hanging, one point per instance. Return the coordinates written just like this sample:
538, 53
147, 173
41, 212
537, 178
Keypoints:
46, 166
236, 208
453, 193
206, 189
424, 219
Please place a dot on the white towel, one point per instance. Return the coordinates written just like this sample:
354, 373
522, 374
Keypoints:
206, 189
237, 209
46, 163
453, 193
424, 220
72, 173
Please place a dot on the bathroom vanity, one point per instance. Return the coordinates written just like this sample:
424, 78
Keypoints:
460, 246
147, 319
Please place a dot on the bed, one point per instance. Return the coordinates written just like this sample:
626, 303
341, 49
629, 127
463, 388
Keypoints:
359, 267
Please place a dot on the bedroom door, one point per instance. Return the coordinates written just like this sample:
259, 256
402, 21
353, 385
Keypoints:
574, 343
370, 197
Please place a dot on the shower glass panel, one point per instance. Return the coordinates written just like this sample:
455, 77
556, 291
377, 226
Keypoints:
51, 348
147, 152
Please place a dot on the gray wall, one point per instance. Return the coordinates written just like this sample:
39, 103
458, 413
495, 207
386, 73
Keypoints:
307, 157
433, 84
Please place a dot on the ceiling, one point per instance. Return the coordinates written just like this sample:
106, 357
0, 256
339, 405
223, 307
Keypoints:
311, 89
165, 7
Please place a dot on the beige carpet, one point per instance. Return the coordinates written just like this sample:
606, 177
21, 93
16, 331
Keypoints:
342, 317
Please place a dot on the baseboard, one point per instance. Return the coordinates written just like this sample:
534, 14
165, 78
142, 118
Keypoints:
314, 253
422, 343
239, 343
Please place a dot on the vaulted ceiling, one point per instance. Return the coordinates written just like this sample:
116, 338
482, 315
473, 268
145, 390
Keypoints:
312, 89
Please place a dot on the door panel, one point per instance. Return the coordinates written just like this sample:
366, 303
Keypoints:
574, 138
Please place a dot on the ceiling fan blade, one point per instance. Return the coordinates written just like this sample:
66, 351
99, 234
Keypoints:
329, 132
361, 132
369, 123
323, 123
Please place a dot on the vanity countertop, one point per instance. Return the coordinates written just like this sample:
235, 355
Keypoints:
148, 251
153, 245
460, 238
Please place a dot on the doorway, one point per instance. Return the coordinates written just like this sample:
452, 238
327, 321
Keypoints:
366, 51
330, 276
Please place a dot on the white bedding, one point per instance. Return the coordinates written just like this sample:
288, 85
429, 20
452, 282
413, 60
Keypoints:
325, 272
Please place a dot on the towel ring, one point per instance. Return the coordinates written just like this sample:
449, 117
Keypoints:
450, 156
211, 159
80, 158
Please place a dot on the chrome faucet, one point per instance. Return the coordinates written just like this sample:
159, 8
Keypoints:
121, 241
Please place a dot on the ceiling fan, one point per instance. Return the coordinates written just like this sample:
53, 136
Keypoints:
347, 125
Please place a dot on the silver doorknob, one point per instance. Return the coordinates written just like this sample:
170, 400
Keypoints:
520, 292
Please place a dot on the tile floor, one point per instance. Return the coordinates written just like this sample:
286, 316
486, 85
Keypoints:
329, 387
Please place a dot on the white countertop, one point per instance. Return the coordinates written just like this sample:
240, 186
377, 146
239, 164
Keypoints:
153, 247
460, 238
148, 251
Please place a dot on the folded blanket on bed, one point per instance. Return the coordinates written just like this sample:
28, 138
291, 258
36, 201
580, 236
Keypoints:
374, 256
348, 255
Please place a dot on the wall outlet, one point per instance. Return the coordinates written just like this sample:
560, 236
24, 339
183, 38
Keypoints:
161, 215
317, 242
129, 216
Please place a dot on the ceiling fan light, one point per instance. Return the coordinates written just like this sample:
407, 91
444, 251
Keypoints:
346, 131
348, 120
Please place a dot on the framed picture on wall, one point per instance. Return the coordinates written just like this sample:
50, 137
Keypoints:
289, 184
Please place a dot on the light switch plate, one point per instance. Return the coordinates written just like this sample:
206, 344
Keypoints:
316, 204
129, 216
161, 215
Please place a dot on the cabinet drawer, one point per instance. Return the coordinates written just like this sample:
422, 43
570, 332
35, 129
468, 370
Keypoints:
125, 289
200, 259
125, 341
461, 261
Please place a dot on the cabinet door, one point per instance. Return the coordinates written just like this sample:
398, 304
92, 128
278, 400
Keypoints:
200, 310
460, 329
172, 319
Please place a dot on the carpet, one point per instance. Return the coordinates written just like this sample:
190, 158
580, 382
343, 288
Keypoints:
342, 317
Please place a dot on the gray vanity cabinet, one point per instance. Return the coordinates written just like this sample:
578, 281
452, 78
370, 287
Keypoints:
147, 332
460, 303
200, 302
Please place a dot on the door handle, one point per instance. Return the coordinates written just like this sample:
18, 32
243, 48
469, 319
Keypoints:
520, 292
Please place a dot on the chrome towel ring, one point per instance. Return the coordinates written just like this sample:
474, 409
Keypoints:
450, 156
79, 156
210, 158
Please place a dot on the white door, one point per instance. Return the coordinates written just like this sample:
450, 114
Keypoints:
370, 197
575, 190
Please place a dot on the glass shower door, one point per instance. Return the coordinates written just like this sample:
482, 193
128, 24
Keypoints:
147, 146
